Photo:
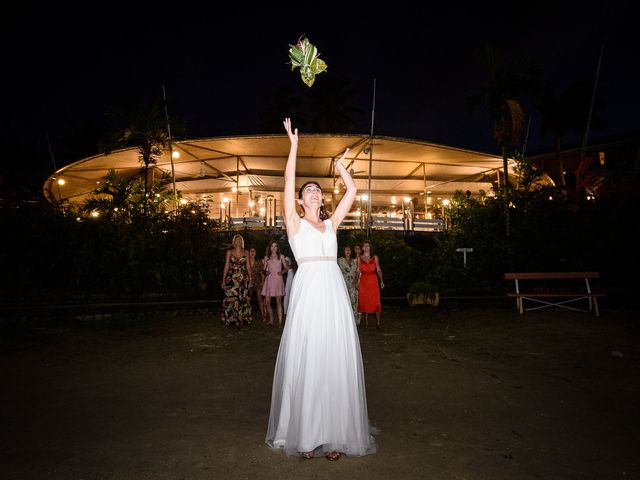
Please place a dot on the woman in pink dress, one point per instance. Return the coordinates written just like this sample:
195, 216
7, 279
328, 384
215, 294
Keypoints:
274, 267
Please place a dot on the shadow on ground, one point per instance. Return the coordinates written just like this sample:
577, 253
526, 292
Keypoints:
460, 393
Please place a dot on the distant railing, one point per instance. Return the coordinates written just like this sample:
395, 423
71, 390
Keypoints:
428, 225
248, 222
353, 222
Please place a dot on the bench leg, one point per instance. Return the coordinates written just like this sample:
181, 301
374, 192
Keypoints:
545, 304
520, 305
595, 304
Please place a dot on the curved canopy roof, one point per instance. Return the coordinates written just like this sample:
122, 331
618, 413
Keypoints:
248, 167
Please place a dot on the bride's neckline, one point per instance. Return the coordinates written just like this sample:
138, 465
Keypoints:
314, 227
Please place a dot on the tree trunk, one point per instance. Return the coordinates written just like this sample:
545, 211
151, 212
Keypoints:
559, 160
505, 166
144, 200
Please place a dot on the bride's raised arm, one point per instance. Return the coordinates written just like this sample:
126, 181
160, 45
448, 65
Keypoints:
291, 218
347, 200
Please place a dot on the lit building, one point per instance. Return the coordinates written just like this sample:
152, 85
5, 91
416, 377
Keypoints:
242, 177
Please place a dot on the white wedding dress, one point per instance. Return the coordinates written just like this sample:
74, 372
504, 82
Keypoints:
318, 401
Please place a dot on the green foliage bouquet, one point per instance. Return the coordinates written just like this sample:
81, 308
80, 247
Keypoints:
305, 55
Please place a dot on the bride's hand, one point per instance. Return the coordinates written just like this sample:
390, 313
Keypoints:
293, 134
338, 161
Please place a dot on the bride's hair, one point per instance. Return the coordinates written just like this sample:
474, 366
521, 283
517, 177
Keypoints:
323, 213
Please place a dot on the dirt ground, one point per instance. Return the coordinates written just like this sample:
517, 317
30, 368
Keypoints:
457, 393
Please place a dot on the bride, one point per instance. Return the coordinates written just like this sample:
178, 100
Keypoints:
318, 402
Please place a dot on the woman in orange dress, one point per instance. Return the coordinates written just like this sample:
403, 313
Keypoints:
368, 288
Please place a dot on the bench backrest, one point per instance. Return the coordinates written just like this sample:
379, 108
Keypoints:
549, 275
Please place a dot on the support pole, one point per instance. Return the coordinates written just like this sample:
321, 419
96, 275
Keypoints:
173, 171
369, 198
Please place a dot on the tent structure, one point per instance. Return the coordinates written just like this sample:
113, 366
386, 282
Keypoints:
237, 174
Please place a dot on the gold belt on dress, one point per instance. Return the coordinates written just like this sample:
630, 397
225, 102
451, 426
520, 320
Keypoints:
316, 259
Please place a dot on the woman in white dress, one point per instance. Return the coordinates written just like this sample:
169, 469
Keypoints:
318, 403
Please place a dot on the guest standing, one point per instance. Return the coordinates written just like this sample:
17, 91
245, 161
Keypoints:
236, 280
369, 290
357, 251
274, 268
257, 275
349, 268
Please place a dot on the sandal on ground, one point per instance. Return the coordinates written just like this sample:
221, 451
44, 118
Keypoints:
332, 456
306, 454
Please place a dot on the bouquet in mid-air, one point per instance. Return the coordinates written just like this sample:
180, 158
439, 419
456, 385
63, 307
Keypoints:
305, 55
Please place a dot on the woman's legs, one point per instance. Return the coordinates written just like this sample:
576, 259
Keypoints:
267, 299
261, 305
279, 307
378, 319
263, 301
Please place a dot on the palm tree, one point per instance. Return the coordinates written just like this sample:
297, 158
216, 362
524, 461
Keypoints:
567, 113
146, 131
148, 134
508, 83
113, 196
121, 197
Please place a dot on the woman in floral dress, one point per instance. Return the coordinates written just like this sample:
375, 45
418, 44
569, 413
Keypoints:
349, 268
236, 281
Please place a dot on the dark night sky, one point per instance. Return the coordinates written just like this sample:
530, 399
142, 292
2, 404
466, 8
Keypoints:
63, 74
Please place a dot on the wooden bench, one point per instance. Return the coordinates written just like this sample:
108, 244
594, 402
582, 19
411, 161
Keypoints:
545, 297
